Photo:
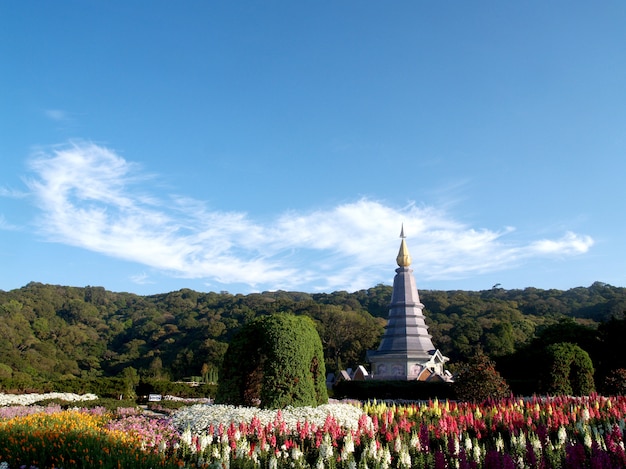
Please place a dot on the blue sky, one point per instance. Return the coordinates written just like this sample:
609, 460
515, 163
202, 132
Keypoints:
250, 146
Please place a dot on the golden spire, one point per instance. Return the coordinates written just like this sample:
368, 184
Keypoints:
404, 258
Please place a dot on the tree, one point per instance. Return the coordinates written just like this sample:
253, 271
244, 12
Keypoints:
346, 335
131, 380
615, 382
478, 380
569, 370
611, 335
5, 371
209, 373
466, 335
499, 340
567, 330
155, 369
274, 361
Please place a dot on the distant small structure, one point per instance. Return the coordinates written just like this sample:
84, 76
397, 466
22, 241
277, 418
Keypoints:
406, 351
360, 374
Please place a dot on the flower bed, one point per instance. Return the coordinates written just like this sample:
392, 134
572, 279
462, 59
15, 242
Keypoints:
202, 418
561, 432
511, 433
78, 439
32, 398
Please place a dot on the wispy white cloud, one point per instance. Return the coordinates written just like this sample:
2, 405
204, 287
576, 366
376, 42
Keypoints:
56, 114
92, 198
570, 243
141, 279
12, 193
6, 226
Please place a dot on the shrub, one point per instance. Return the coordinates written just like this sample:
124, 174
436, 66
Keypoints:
166, 406
274, 361
393, 390
103, 386
569, 370
165, 387
478, 380
615, 383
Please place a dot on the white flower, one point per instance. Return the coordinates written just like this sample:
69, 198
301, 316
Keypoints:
296, 454
348, 447
186, 438
477, 453
457, 445
201, 416
519, 442
226, 456
536, 446
405, 458
372, 450
243, 448
348, 444
397, 444
386, 459
28, 399
205, 440
326, 448
499, 443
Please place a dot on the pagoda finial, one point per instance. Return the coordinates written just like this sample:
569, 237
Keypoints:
404, 258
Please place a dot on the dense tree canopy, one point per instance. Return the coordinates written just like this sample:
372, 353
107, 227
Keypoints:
50, 332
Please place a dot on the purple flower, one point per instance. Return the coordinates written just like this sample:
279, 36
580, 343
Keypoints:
575, 456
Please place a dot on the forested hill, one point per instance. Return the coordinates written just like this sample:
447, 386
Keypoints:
52, 332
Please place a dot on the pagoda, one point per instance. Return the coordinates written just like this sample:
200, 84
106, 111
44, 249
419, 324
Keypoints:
406, 351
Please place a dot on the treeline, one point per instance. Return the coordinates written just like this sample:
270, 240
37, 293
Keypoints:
52, 333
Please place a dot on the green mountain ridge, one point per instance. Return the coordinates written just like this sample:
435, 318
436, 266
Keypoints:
56, 332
